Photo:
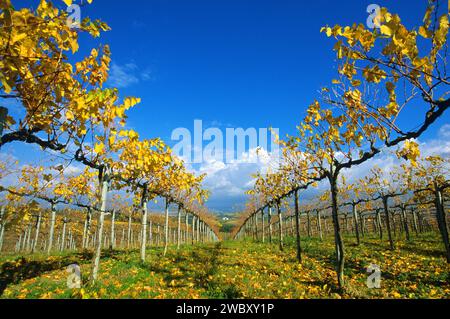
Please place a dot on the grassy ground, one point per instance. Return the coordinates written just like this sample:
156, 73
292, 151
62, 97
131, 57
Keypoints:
238, 270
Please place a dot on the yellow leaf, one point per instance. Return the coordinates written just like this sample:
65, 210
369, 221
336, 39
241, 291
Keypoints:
425, 32
99, 148
386, 30
69, 115
18, 37
112, 139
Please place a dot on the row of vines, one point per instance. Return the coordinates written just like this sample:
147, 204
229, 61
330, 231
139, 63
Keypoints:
385, 75
68, 111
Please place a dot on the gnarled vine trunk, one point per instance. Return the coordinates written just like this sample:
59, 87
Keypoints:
340, 253
193, 228
144, 224
319, 225
98, 244
263, 229
179, 227
380, 224
308, 223
166, 228
36, 235
63, 235
280, 227
441, 219
129, 230
415, 225
269, 221
356, 222
297, 228
405, 223
388, 223
52, 228
113, 230
2, 226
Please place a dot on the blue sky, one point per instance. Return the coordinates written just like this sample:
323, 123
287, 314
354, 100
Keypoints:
245, 63
238, 63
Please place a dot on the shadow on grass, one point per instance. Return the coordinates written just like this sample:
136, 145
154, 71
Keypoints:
24, 269
425, 252
198, 268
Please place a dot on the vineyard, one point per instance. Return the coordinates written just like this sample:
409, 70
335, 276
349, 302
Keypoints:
134, 222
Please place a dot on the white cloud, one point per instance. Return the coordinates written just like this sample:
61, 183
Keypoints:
387, 159
73, 170
444, 132
436, 147
147, 75
122, 76
228, 182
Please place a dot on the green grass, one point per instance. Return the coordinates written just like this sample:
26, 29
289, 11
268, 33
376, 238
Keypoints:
239, 270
